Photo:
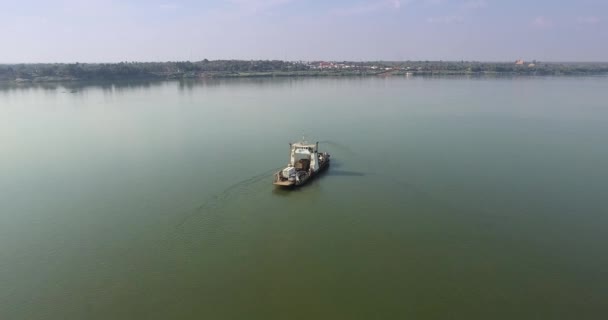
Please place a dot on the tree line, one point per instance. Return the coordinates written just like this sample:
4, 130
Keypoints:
186, 69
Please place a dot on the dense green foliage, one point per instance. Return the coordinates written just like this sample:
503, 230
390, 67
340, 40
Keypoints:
228, 68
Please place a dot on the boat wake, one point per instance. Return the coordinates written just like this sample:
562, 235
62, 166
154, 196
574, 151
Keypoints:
218, 201
336, 146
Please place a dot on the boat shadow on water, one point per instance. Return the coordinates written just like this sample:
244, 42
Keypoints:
317, 182
343, 173
335, 170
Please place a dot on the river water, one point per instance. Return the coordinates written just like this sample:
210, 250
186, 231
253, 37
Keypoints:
447, 198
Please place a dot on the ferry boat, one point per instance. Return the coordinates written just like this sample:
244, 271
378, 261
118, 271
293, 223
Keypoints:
305, 163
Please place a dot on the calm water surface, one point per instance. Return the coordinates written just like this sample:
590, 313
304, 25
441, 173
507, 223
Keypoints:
448, 198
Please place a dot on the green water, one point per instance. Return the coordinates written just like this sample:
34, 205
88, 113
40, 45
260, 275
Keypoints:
447, 198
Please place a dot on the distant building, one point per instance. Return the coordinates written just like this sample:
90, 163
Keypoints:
519, 62
531, 65
325, 65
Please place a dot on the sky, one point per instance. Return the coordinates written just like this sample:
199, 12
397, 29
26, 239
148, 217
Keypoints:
171, 30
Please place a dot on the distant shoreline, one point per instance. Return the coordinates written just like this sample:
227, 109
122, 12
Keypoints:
205, 69
40, 80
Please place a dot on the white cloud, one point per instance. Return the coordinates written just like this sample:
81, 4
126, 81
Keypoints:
588, 20
446, 19
542, 22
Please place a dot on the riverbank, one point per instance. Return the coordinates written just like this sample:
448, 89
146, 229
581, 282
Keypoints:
38, 73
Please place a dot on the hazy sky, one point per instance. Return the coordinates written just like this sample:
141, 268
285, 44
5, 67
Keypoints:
146, 30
